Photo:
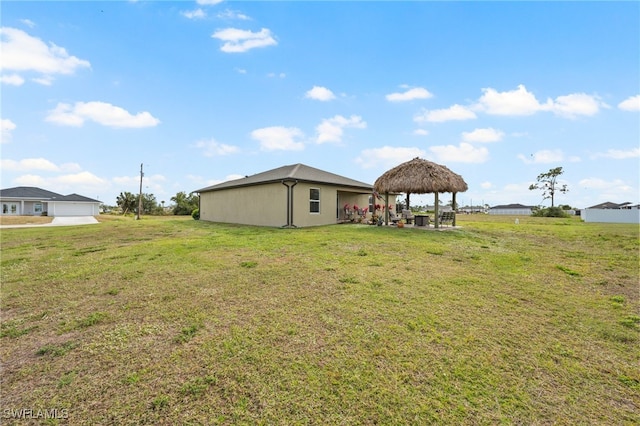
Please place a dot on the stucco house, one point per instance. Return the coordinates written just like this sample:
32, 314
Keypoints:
296, 195
512, 209
31, 201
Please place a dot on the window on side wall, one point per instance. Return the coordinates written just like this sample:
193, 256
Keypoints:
37, 207
314, 200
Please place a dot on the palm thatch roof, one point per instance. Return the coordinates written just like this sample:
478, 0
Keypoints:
420, 176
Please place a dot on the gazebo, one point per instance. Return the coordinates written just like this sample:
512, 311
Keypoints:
420, 176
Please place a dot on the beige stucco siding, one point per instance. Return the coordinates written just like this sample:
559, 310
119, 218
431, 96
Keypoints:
332, 198
266, 204
263, 205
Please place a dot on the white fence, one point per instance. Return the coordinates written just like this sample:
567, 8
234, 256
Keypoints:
611, 215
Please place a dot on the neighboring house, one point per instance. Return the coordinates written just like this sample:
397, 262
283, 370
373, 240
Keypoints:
612, 213
290, 196
31, 201
512, 209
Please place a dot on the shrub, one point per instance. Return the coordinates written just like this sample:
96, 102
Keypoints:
549, 212
195, 214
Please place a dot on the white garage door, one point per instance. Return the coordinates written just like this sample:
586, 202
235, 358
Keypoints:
71, 209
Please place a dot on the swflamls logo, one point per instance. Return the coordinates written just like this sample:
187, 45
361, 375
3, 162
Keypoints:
33, 413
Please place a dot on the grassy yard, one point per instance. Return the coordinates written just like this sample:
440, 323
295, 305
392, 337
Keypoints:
175, 321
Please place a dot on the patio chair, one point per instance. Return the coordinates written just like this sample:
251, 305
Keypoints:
447, 217
407, 216
393, 217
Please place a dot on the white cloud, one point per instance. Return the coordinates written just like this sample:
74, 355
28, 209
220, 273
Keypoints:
320, 93
12, 79
483, 135
614, 189
420, 132
194, 14
232, 14
520, 102
99, 112
632, 103
618, 154
543, 157
212, 148
274, 75
46, 80
279, 138
6, 127
28, 22
570, 106
463, 153
76, 182
24, 53
514, 102
238, 41
409, 95
486, 185
331, 129
151, 183
28, 164
455, 112
387, 157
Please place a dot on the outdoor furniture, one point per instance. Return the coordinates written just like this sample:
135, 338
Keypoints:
421, 220
393, 218
447, 217
407, 216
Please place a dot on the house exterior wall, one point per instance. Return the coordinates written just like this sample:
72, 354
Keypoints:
23, 207
515, 212
266, 204
611, 215
263, 205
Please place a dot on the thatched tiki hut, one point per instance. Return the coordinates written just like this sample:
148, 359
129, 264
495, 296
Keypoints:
420, 176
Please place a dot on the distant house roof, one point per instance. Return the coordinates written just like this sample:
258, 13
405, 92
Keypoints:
609, 205
512, 206
295, 172
30, 192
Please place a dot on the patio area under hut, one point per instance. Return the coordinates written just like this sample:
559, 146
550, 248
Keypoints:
420, 176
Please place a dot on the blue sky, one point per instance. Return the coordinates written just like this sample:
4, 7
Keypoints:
205, 91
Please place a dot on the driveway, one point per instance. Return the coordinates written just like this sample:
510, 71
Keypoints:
73, 220
60, 221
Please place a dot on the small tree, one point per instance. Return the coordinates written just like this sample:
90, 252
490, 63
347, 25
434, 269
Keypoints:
185, 204
127, 202
548, 183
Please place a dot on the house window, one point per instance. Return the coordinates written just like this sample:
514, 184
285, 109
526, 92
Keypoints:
5, 209
314, 200
14, 208
371, 206
37, 207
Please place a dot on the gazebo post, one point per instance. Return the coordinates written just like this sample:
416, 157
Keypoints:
386, 208
408, 208
436, 220
454, 206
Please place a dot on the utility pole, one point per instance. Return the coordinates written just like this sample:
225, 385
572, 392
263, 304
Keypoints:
140, 196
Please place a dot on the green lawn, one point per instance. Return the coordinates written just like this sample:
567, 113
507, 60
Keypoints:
175, 321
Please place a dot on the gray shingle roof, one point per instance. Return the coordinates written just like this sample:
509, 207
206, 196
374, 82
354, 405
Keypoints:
512, 206
299, 172
32, 192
